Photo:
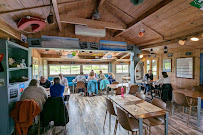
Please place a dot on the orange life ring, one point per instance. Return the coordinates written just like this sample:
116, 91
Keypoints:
36, 23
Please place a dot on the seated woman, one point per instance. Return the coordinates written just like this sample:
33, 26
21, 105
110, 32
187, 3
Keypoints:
92, 87
35, 92
104, 82
57, 89
166, 88
111, 77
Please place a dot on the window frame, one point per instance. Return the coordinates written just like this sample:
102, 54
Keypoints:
98, 69
64, 65
122, 68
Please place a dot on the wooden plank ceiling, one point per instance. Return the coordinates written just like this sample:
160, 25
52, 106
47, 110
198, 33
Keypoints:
162, 20
81, 56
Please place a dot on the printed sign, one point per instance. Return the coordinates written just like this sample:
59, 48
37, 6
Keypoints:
14, 93
184, 67
21, 88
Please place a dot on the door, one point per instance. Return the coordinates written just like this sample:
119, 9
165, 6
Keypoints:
201, 68
152, 64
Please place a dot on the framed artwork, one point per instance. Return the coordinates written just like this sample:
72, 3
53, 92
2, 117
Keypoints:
184, 67
167, 65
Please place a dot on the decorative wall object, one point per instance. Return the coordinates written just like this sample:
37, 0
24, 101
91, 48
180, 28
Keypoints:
188, 53
165, 49
60, 42
167, 65
197, 4
184, 67
113, 45
151, 51
170, 55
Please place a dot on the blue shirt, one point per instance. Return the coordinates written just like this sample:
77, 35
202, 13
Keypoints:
47, 84
57, 90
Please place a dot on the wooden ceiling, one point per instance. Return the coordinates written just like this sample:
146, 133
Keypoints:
163, 20
81, 56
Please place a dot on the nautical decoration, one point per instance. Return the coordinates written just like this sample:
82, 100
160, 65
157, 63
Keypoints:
36, 23
136, 2
165, 49
142, 31
50, 17
151, 51
197, 4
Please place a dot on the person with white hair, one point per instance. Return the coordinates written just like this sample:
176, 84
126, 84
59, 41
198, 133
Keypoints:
45, 82
35, 92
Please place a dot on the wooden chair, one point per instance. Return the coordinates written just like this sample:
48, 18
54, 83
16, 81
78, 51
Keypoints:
118, 91
115, 82
184, 101
155, 121
133, 89
110, 109
80, 85
140, 95
128, 123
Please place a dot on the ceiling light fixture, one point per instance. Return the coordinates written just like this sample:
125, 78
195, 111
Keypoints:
141, 56
194, 39
182, 42
142, 31
165, 49
50, 17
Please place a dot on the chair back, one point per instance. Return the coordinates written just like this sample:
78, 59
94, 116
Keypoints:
198, 88
159, 103
80, 85
110, 107
180, 99
140, 95
123, 119
115, 82
133, 89
118, 91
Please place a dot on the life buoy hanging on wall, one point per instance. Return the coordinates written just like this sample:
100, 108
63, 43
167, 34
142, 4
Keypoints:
36, 23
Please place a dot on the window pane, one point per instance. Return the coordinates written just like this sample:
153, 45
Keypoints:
65, 69
54, 69
45, 68
119, 69
75, 69
104, 68
96, 68
87, 69
125, 68
148, 65
154, 67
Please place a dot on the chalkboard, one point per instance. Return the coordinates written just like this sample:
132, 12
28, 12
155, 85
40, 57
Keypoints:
184, 67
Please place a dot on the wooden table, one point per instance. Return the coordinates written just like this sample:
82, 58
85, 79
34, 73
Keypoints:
126, 78
140, 109
193, 94
115, 86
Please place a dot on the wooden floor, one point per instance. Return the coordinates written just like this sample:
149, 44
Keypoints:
87, 118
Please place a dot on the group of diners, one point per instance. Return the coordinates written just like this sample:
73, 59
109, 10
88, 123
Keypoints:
163, 85
94, 82
39, 90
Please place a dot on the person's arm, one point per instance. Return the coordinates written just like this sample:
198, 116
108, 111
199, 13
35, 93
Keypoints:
160, 81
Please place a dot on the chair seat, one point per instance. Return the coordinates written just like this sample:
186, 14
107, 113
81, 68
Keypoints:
154, 121
133, 124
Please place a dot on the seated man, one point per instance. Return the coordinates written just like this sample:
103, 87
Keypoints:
148, 77
35, 92
57, 89
80, 78
64, 81
45, 82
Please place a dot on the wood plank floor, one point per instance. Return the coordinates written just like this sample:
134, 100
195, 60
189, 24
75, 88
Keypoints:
87, 118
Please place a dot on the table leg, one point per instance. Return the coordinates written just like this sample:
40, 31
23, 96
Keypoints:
140, 125
198, 111
166, 123
73, 88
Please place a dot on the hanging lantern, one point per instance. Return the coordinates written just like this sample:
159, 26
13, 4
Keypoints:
73, 53
50, 17
142, 31
165, 49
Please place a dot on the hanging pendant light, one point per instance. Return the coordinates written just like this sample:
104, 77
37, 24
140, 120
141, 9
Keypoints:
142, 31
50, 17
151, 51
165, 49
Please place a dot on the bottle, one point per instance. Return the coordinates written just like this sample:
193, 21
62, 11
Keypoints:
122, 92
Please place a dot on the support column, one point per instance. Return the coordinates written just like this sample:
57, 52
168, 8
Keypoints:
110, 67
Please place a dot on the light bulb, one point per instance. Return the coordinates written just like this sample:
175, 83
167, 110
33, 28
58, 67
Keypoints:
141, 56
194, 39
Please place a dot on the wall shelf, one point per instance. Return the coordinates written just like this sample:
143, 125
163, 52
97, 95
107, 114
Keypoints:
14, 69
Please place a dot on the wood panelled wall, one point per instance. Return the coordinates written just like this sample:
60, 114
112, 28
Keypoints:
182, 82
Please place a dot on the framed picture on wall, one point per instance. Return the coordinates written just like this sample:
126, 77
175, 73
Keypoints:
167, 65
184, 67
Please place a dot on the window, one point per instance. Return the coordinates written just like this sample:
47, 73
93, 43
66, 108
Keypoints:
154, 68
64, 69
45, 68
122, 69
148, 65
96, 68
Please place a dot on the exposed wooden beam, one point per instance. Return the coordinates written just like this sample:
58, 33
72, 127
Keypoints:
172, 41
125, 56
41, 6
100, 4
90, 22
143, 16
9, 30
154, 31
54, 2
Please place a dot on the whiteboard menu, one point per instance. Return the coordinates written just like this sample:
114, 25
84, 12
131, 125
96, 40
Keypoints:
184, 67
